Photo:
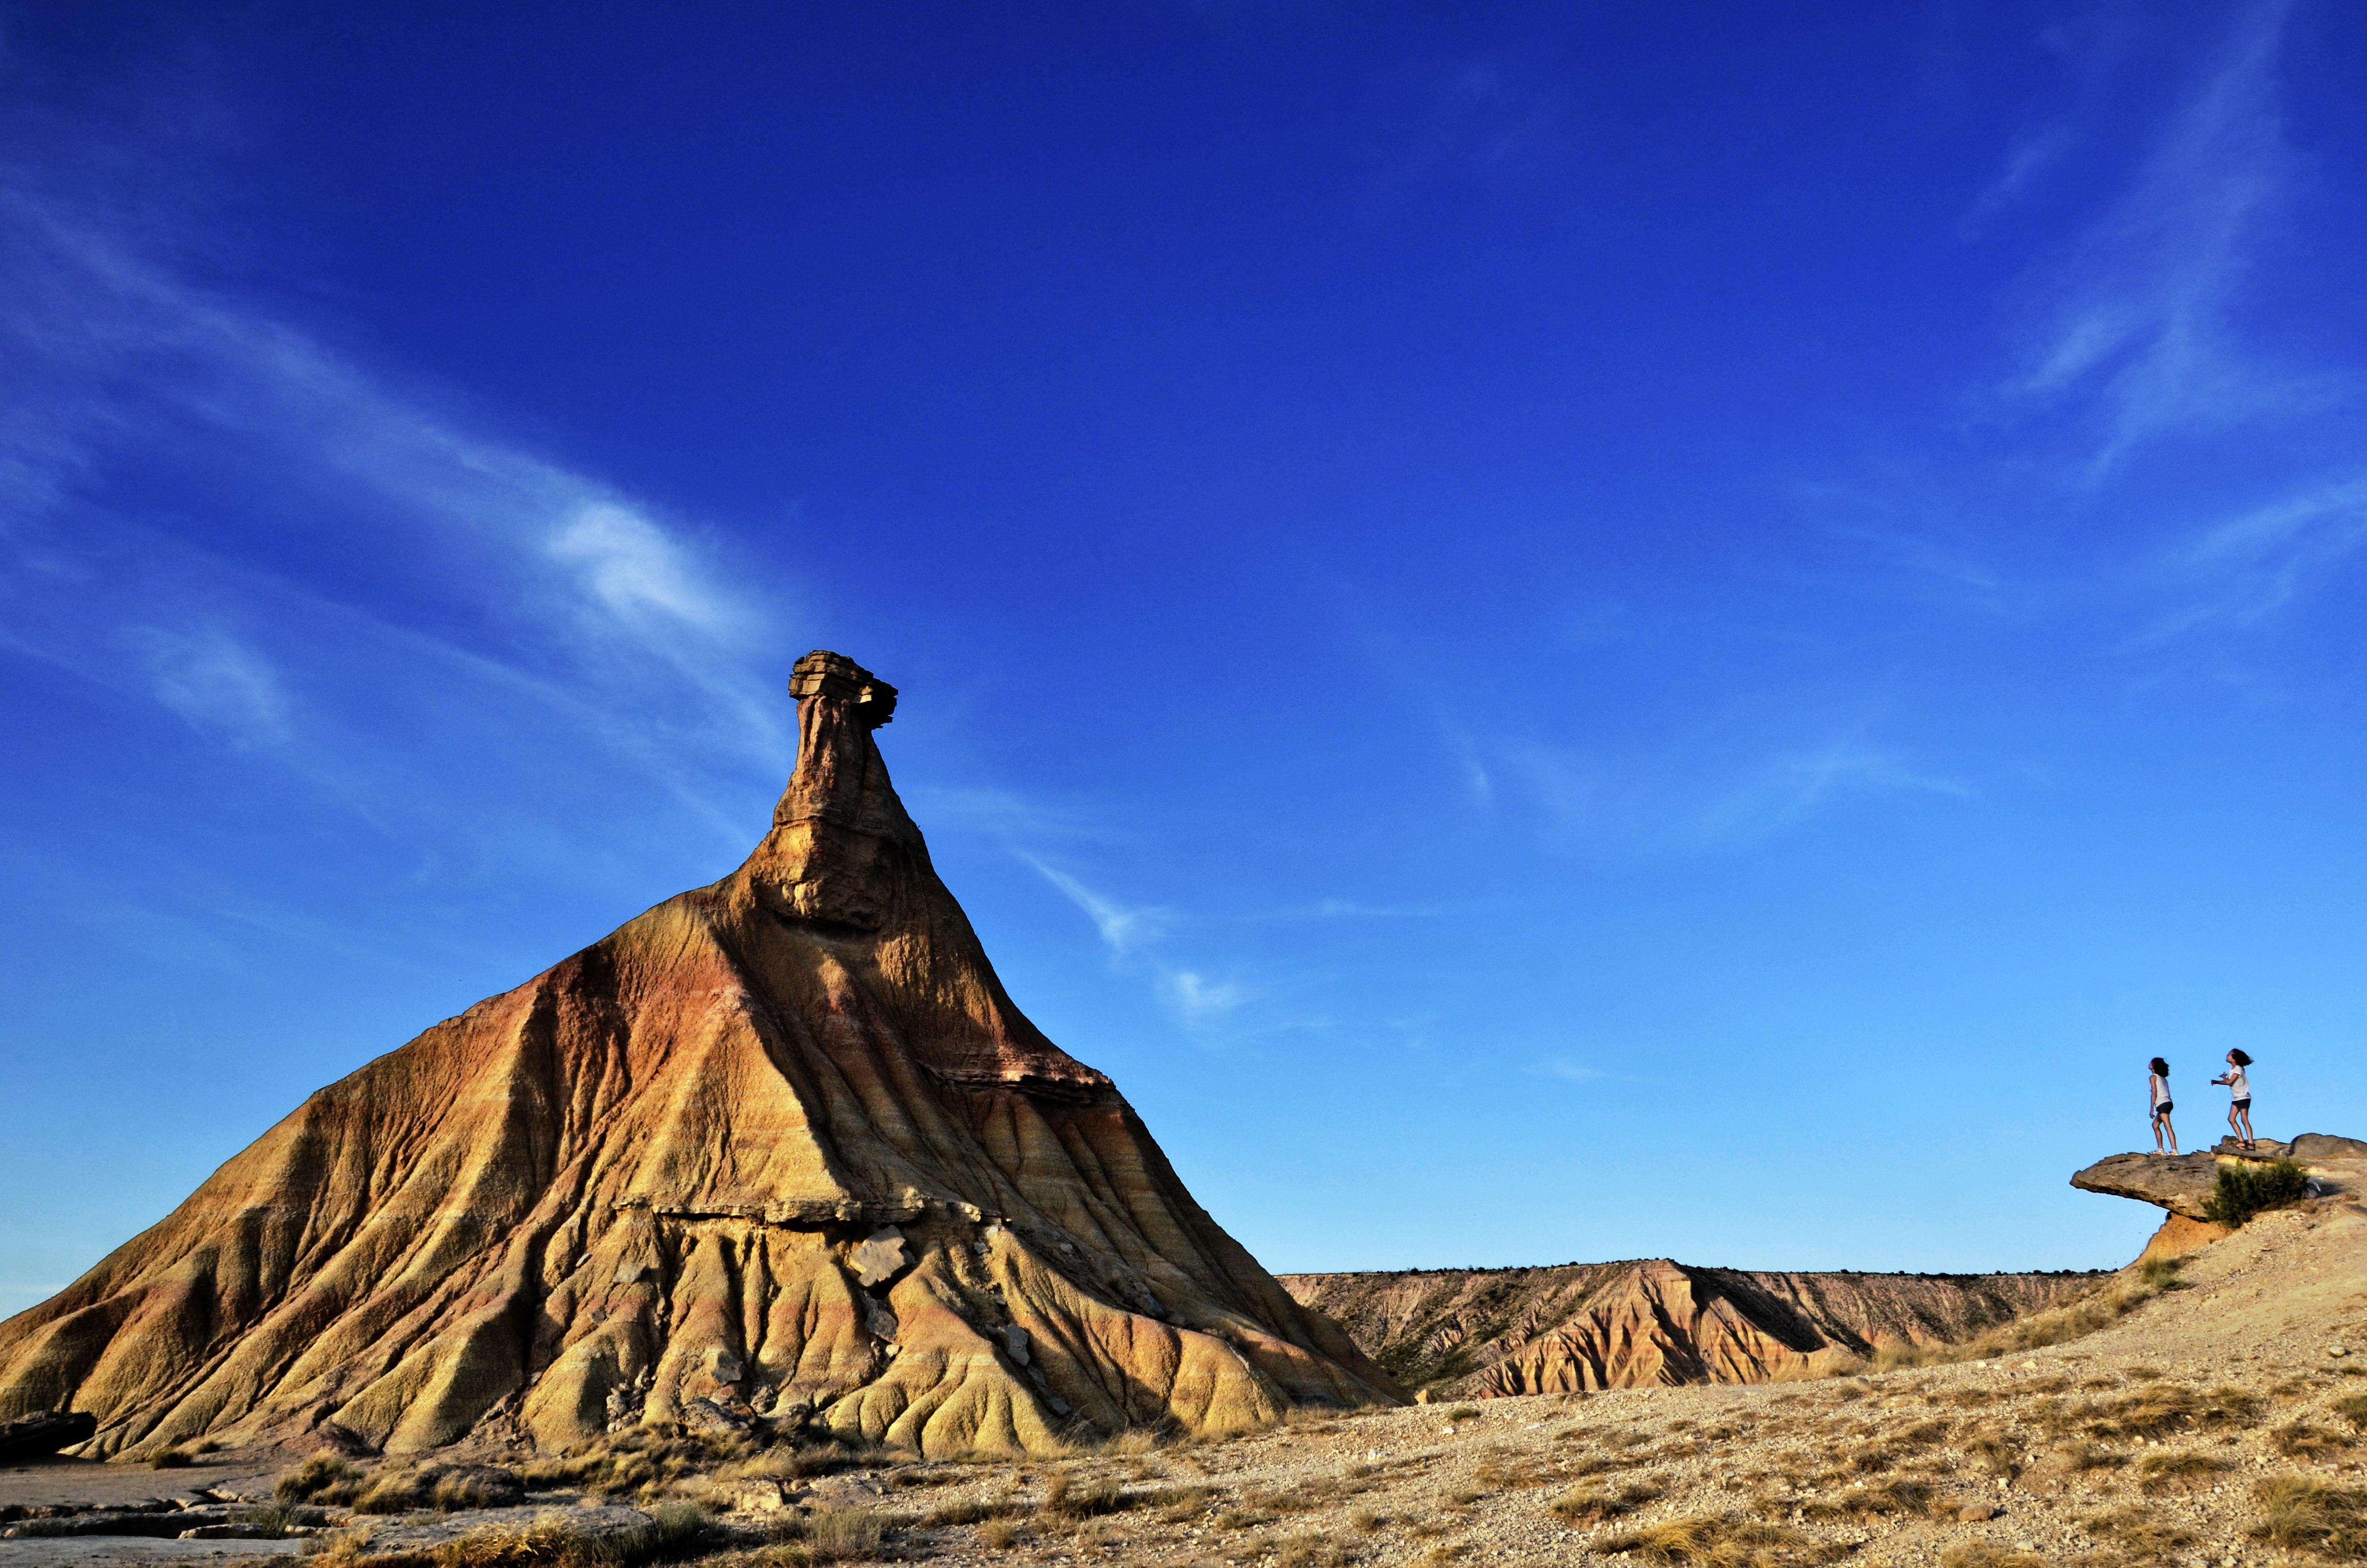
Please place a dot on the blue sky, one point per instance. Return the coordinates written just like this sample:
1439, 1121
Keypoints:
1559, 633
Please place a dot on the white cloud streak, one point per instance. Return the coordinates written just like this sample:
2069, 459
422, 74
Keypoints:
1133, 934
2140, 320
216, 682
194, 494
1691, 801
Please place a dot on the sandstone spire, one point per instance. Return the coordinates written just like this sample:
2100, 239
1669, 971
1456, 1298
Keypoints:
782, 1144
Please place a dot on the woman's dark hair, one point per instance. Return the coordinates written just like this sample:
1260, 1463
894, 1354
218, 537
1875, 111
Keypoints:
2241, 1060
2161, 1067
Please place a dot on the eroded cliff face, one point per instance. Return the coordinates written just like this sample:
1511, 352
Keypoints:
782, 1144
1481, 1333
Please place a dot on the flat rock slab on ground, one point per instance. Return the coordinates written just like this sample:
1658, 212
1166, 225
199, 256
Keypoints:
61, 1482
409, 1531
121, 1551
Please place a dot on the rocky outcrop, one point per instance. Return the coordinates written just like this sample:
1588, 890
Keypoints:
780, 1149
2179, 1183
1477, 1333
2183, 1184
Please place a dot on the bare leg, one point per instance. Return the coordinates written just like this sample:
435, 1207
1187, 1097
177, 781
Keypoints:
2165, 1127
2235, 1128
2250, 1141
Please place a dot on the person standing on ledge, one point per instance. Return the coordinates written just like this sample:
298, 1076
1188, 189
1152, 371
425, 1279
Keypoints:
2239, 1109
2158, 1087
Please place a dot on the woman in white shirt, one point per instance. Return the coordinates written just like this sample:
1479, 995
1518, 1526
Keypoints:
2158, 1088
2239, 1087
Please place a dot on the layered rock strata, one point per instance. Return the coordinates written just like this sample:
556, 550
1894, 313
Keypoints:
1482, 1333
781, 1148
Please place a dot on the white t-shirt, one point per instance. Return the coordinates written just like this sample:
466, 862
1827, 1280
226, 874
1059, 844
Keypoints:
2160, 1087
2237, 1084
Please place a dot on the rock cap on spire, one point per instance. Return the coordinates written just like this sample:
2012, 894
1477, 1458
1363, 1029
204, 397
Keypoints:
824, 674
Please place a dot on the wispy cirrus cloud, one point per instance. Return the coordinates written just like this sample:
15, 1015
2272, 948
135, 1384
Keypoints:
2026, 164
1134, 935
1701, 797
1124, 929
197, 497
216, 681
2246, 569
2141, 320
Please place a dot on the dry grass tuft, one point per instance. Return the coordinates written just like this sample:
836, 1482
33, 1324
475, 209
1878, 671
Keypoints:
2179, 1472
843, 1535
672, 1534
644, 1463
1995, 1452
1709, 1542
2162, 1409
1086, 1500
323, 1478
1592, 1507
2141, 1530
2300, 1440
1896, 1495
2297, 1513
1988, 1554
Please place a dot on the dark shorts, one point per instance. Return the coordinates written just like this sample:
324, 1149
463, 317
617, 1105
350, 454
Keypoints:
2164, 1108
2244, 1104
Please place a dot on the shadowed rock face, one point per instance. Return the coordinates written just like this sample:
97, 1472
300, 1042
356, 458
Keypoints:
782, 1144
1480, 1332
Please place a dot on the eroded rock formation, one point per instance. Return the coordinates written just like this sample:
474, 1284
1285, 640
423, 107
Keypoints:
2183, 1184
1480, 1333
778, 1148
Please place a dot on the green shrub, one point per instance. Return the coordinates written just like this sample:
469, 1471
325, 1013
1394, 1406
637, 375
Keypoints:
2247, 1188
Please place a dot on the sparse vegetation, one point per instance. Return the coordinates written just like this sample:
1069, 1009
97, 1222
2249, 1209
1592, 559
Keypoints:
2143, 1530
323, 1478
2162, 1409
1090, 1499
1988, 1554
672, 1534
2300, 1514
844, 1535
1897, 1494
2301, 1440
1710, 1541
2174, 1472
644, 1464
1593, 1506
172, 1458
2249, 1187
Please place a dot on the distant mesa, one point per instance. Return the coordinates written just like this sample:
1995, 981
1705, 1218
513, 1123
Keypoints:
1484, 1333
780, 1150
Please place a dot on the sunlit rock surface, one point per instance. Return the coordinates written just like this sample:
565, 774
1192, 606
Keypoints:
779, 1148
